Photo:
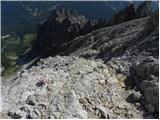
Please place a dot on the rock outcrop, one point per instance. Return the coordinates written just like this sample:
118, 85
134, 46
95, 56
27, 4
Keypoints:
144, 10
146, 78
62, 26
123, 16
130, 13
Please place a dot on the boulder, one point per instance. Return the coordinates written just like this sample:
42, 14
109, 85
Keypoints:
147, 79
134, 97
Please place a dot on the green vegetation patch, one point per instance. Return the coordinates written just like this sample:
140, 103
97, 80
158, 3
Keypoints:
12, 48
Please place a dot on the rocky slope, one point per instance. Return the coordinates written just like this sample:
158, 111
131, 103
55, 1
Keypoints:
131, 48
75, 88
112, 72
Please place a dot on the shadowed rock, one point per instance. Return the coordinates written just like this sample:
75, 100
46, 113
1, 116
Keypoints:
144, 10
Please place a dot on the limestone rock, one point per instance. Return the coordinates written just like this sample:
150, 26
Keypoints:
72, 91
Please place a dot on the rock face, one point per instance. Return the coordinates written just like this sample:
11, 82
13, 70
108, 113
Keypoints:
75, 88
144, 10
123, 16
147, 79
146, 72
62, 26
130, 13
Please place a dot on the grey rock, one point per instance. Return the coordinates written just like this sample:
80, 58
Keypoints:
127, 53
123, 16
101, 112
123, 47
35, 114
151, 95
150, 108
149, 117
61, 27
147, 72
15, 115
153, 22
31, 100
146, 68
144, 10
68, 94
134, 97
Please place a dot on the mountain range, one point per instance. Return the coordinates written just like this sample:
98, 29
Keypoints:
23, 16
